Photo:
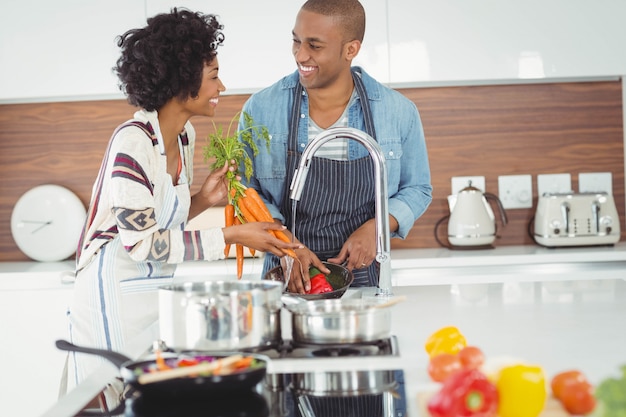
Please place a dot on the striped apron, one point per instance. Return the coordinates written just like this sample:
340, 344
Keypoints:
337, 198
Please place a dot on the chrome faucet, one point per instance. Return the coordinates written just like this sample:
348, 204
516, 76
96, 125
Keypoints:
383, 251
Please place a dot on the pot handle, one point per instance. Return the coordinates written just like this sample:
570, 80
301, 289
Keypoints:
115, 358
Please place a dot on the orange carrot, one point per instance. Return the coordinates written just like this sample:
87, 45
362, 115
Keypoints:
245, 211
160, 362
229, 217
253, 208
282, 236
244, 362
253, 195
239, 254
257, 212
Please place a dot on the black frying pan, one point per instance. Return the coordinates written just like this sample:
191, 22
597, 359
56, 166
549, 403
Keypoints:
180, 386
339, 278
226, 404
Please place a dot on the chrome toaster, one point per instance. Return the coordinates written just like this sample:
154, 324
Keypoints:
570, 219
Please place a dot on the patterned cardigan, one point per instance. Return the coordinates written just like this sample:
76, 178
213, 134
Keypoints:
133, 199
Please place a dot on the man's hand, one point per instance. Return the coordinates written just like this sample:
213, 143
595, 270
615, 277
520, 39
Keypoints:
359, 251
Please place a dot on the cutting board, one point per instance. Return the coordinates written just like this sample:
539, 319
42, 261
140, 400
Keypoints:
553, 407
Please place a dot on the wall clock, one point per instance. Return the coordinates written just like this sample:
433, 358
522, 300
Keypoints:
47, 221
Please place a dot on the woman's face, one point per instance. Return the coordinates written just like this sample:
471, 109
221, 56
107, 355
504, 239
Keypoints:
208, 95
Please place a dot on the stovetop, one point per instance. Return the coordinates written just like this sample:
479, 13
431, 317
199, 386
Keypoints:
288, 349
309, 394
269, 400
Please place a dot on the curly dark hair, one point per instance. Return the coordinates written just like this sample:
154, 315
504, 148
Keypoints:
166, 58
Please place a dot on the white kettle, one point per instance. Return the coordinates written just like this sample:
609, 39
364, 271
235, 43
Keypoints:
472, 222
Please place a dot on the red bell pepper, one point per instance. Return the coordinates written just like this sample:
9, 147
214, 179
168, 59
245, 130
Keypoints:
465, 393
319, 285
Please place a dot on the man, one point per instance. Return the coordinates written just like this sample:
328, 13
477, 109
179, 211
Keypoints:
335, 216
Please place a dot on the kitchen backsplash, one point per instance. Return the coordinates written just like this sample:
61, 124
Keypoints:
483, 130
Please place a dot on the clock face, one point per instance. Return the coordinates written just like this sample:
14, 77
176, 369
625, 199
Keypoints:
47, 221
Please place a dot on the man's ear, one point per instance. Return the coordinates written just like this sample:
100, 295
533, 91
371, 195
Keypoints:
352, 49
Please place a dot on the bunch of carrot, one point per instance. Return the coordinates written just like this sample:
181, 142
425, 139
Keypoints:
245, 206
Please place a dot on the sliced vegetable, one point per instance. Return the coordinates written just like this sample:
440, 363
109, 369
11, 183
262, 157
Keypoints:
522, 391
235, 363
465, 393
574, 392
445, 340
160, 362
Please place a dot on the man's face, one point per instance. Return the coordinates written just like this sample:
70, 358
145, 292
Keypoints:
319, 49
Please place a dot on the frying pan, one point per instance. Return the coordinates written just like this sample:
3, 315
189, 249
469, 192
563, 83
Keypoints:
180, 385
229, 404
339, 278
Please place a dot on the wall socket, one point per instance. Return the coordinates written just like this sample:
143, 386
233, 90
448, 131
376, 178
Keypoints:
458, 183
515, 191
554, 183
589, 182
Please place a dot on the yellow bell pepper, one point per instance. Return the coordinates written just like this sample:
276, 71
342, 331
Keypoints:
445, 340
522, 391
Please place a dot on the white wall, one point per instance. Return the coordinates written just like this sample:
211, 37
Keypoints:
64, 49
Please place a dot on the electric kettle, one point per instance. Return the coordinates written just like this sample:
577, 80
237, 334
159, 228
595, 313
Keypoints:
472, 222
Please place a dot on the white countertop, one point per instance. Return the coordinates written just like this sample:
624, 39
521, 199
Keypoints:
523, 307
444, 266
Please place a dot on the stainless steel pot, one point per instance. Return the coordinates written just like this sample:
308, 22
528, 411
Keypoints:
344, 383
220, 315
339, 321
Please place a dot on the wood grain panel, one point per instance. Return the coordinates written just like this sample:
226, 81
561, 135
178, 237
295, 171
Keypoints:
475, 130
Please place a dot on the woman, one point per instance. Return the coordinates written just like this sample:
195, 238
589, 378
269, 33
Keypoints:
134, 234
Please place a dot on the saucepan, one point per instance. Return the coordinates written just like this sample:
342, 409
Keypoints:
220, 315
183, 381
339, 278
351, 320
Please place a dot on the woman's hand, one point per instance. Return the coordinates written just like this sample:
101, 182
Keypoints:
256, 235
214, 190
299, 281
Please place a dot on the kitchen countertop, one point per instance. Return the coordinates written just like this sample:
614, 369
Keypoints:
444, 266
431, 260
556, 324
559, 308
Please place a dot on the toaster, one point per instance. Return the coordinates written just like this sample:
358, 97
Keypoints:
576, 219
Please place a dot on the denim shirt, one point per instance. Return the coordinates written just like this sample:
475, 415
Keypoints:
399, 133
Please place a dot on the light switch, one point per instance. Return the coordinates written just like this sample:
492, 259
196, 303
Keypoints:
590, 182
515, 191
554, 183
